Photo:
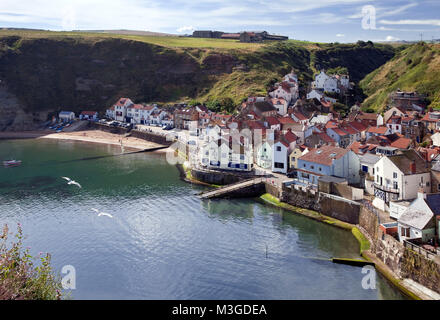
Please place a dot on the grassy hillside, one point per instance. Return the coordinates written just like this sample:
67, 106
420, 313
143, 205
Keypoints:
77, 71
414, 68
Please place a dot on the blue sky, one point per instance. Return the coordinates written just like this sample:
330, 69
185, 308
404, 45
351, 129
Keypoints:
314, 20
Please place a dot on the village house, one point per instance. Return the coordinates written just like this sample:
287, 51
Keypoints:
393, 111
341, 137
264, 155
89, 115
368, 162
326, 83
418, 221
110, 113
280, 104
272, 123
377, 131
317, 139
121, 108
328, 161
435, 138
299, 151
287, 91
264, 109
431, 122
287, 123
227, 153
394, 124
319, 95
66, 116
399, 177
369, 119
412, 128
407, 100
283, 146
186, 118
299, 117
435, 177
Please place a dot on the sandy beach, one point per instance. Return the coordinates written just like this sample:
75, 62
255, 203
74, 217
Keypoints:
93, 136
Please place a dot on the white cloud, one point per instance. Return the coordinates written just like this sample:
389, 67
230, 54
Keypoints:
431, 22
340, 35
391, 38
186, 29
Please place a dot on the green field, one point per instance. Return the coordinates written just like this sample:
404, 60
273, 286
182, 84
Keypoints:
164, 41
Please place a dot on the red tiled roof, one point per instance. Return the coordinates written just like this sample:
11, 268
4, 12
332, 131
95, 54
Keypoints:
331, 124
378, 130
339, 132
367, 116
272, 121
122, 101
290, 137
299, 116
324, 155
359, 126
349, 130
89, 113
401, 143
286, 120
325, 137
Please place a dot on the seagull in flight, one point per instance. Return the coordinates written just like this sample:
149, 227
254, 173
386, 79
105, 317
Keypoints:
102, 213
70, 181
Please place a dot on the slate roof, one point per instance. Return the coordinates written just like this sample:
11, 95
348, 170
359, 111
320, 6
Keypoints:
324, 155
433, 202
415, 218
404, 160
369, 158
264, 106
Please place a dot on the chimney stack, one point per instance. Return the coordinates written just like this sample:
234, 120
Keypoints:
412, 167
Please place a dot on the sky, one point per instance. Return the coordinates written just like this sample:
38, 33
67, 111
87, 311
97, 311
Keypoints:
313, 20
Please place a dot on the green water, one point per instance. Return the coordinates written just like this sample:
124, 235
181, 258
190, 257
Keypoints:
163, 242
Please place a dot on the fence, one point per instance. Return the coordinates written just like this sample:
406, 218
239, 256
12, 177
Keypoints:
426, 253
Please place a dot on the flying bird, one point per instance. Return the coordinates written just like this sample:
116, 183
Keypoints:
70, 181
102, 213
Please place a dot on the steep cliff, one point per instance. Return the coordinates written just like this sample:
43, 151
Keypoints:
415, 68
43, 75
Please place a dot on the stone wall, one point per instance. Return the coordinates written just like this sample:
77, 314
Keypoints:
115, 130
298, 198
404, 262
390, 251
219, 177
421, 270
159, 139
346, 211
368, 221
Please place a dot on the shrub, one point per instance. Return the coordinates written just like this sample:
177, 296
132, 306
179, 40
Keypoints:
20, 279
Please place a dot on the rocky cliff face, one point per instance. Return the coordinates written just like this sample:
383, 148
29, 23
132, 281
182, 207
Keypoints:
48, 75
13, 115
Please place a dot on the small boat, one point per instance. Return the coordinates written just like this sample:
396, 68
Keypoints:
12, 163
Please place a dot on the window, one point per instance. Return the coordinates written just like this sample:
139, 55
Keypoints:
279, 165
304, 165
405, 232
395, 185
320, 169
377, 169
373, 171
278, 148
312, 167
395, 175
